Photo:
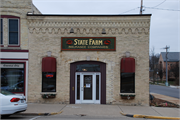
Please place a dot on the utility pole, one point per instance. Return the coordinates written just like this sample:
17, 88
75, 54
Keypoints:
166, 65
141, 8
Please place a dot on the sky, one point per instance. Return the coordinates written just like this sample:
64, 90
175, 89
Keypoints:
165, 19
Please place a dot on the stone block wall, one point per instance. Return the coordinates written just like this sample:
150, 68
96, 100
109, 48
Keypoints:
18, 8
131, 32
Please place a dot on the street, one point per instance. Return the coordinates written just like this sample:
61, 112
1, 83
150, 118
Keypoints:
164, 90
70, 117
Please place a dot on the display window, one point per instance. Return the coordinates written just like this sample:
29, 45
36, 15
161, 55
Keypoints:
127, 75
127, 82
12, 77
48, 81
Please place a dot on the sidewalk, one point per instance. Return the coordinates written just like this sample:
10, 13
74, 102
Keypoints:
104, 110
98, 110
166, 98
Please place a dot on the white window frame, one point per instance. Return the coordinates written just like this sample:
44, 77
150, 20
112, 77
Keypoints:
18, 32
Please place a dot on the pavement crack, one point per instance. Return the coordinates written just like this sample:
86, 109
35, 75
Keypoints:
156, 111
120, 108
63, 108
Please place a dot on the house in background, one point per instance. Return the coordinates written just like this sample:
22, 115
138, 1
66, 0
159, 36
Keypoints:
172, 59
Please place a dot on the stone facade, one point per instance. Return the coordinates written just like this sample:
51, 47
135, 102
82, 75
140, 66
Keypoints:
18, 8
42, 33
131, 32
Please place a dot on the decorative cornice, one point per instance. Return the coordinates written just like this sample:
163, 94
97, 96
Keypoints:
124, 26
50, 30
60, 23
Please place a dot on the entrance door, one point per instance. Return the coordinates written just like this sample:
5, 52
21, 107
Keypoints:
87, 87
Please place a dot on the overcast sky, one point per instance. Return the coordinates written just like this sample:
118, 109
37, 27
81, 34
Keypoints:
165, 19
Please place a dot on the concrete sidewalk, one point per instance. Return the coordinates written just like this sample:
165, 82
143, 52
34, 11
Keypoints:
166, 98
103, 110
99, 110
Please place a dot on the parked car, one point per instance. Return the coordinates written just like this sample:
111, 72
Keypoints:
16, 87
11, 103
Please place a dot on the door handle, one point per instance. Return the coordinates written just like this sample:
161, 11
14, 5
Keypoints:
73, 88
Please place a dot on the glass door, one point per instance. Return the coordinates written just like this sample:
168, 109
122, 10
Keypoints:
87, 88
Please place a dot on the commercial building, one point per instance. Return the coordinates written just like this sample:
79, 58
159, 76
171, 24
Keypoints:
75, 59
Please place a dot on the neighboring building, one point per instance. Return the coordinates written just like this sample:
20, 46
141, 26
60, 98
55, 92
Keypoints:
15, 44
172, 59
78, 59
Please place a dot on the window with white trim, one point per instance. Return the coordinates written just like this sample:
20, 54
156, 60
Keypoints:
13, 31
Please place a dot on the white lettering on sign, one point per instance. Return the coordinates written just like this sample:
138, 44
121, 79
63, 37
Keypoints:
12, 65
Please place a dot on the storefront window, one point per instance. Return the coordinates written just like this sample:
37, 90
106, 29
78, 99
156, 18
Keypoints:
127, 82
48, 81
88, 68
12, 79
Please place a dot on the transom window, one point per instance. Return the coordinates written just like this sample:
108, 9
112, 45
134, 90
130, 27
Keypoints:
13, 31
88, 68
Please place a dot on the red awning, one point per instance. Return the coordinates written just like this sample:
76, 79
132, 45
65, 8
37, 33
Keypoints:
49, 64
127, 65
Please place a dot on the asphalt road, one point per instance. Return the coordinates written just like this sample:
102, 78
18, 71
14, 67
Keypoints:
70, 117
164, 90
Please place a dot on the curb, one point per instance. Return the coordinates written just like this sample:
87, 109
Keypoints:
149, 116
41, 114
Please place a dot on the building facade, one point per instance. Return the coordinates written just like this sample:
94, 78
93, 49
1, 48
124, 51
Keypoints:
15, 45
173, 59
98, 59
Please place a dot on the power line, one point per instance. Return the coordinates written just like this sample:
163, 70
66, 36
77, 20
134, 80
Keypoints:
130, 10
160, 3
161, 9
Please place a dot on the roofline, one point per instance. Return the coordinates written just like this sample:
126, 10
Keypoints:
87, 15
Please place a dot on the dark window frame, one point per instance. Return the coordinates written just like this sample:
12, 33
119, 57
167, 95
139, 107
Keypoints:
13, 32
24, 63
19, 29
42, 90
121, 84
1, 31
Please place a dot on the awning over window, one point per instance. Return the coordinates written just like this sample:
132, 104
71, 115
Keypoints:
49, 64
127, 65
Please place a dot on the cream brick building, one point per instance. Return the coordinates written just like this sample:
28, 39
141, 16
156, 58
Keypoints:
102, 79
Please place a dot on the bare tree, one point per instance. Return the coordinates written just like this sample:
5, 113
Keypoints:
175, 71
160, 71
153, 63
